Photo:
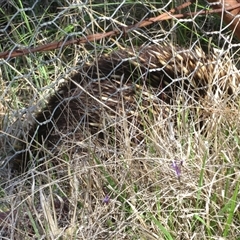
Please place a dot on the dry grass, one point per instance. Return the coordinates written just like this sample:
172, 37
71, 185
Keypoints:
116, 188
127, 191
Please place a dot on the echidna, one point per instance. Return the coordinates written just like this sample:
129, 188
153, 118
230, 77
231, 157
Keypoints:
125, 86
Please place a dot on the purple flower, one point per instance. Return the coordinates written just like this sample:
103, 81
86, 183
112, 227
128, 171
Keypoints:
177, 168
106, 200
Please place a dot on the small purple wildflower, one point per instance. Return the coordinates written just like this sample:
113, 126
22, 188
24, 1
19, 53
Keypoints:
177, 168
106, 200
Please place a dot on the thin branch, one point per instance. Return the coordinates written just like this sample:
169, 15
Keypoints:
98, 36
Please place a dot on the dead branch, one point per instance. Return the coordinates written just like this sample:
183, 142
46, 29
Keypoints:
233, 8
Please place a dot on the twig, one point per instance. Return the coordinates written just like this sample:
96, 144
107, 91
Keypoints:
98, 36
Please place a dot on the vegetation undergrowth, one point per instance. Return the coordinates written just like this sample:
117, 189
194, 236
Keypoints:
176, 183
